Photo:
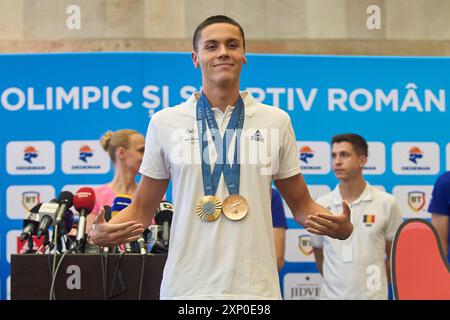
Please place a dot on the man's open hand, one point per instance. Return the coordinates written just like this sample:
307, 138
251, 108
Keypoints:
107, 235
334, 226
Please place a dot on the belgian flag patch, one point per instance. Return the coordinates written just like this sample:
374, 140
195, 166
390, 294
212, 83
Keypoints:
369, 219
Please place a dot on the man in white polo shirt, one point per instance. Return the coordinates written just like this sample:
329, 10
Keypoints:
221, 244
358, 267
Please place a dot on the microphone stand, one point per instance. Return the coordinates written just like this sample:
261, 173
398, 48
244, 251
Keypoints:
30, 245
47, 242
82, 245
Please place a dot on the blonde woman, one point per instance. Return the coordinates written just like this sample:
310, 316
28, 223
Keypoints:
125, 148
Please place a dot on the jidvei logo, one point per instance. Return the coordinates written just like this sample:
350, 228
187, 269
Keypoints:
302, 286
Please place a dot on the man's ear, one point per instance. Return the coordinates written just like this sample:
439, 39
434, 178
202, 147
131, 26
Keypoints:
194, 59
363, 161
245, 59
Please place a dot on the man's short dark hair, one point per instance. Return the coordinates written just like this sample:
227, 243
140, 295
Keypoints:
213, 20
358, 143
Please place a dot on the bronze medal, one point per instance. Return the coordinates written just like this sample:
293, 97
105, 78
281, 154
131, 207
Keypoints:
209, 208
235, 207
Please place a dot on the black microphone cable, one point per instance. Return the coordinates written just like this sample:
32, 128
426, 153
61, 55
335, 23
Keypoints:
117, 274
104, 264
141, 278
104, 257
144, 258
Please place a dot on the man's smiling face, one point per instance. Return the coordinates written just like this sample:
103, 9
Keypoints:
220, 53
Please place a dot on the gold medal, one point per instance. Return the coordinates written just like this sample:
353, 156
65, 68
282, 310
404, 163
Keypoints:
209, 208
235, 207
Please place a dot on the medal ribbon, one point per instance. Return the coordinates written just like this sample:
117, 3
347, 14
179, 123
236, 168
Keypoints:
231, 174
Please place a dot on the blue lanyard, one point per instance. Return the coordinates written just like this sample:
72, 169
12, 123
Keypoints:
231, 174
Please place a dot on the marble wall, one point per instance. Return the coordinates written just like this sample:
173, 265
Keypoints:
408, 27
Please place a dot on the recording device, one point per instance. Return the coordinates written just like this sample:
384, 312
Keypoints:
84, 202
47, 213
31, 223
121, 201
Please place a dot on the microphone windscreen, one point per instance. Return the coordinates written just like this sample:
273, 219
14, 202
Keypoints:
165, 206
84, 198
68, 220
165, 212
107, 213
67, 197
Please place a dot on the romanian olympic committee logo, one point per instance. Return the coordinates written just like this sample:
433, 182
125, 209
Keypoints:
190, 136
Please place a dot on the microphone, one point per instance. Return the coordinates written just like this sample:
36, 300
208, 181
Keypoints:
142, 246
84, 202
107, 218
66, 222
47, 212
108, 213
121, 201
65, 200
163, 218
31, 223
